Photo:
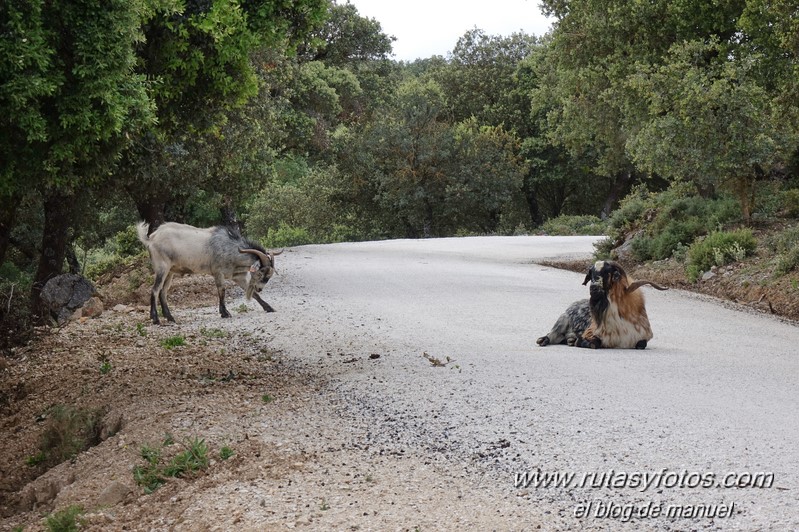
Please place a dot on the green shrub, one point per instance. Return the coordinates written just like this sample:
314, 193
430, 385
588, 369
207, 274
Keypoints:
194, 458
786, 247
153, 474
66, 520
566, 225
16, 321
173, 341
285, 236
668, 221
790, 202
717, 249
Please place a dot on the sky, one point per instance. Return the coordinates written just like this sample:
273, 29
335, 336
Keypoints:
432, 27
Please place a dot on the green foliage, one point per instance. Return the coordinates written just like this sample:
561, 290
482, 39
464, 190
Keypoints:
35, 459
574, 225
302, 205
154, 473
226, 452
286, 236
717, 249
65, 520
191, 460
785, 245
790, 202
173, 341
105, 367
15, 317
213, 333
668, 221
710, 122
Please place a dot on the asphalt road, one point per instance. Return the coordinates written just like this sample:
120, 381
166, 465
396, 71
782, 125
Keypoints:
714, 397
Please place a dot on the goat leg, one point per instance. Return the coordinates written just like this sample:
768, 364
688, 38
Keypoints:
264, 305
154, 310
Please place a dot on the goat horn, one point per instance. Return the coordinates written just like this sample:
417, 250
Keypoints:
265, 259
276, 252
638, 284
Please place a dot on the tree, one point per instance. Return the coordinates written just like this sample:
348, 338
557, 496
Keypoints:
413, 150
594, 47
486, 179
72, 100
707, 121
201, 57
479, 77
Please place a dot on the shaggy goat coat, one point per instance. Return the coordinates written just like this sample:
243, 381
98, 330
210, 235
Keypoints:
613, 316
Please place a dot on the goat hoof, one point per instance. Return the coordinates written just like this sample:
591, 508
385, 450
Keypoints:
641, 344
544, 340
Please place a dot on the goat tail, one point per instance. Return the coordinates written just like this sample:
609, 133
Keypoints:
141, 229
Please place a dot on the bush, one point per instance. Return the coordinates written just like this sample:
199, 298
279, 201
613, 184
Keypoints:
154, 473
786, 246
66, 520
16, 322
668, 221
286, 236
790, 202
717, 249
566, 225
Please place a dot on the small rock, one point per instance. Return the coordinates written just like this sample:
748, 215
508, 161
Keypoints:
93, 308
121, 308
113, 494
708, 275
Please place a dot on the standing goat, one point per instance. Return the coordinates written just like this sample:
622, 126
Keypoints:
219, 251
614, 316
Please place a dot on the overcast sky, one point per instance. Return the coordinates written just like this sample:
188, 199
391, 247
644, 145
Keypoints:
424, 28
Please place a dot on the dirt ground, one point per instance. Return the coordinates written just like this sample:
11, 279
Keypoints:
298, 458
223, 387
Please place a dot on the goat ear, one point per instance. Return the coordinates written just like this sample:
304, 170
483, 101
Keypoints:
255, 267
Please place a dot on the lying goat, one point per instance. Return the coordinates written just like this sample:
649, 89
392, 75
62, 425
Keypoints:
614, 316
220, 251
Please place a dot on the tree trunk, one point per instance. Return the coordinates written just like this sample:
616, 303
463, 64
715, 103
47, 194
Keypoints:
532, 203
618, 188
8, 212
72, 261
57, 222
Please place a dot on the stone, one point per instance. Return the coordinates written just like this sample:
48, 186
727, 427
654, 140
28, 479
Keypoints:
93, 308
624, 253
66, 293
708, 276
114, 493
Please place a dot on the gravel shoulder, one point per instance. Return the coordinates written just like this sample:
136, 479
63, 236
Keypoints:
398, 387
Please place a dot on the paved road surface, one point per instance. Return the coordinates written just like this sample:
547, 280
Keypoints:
714, 398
